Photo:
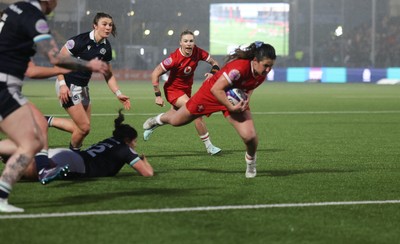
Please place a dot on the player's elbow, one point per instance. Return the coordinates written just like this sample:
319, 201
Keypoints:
30, 73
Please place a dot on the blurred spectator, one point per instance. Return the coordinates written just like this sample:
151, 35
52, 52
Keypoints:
354, 48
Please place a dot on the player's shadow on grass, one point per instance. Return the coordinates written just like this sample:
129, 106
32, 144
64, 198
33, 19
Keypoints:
269, 173
106, 195
283, 173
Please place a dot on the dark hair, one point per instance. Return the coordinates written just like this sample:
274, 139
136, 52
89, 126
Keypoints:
123, 132
104, 15
258, 50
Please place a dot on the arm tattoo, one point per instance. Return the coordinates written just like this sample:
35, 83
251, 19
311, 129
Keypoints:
50, 50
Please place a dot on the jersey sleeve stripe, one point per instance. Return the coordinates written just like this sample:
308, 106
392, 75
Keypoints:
162, 66
69, 51
42, 37
227, 77
134, 161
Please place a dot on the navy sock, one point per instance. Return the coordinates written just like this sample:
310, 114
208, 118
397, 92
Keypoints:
75, 149
42, 160
5, 190
49, 120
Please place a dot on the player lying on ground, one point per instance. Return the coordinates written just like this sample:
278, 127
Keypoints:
105, 158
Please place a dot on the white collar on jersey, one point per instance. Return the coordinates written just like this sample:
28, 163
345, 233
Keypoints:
252, 68
35, 3
91, 35
183, 54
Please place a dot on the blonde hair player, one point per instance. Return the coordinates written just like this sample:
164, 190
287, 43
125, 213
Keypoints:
181, 65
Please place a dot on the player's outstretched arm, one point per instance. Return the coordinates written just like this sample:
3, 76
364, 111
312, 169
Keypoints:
143, 167
41, 72
50, 50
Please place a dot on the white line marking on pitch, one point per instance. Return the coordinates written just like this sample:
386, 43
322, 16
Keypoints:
194, 209
259, 113
328, 112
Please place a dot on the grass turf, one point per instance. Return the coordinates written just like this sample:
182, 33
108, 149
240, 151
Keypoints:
318, 143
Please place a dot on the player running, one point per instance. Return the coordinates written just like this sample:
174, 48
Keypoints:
245, 69
73, 88
181, 65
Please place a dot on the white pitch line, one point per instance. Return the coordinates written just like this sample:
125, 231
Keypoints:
258, 113
328, 112
196, 209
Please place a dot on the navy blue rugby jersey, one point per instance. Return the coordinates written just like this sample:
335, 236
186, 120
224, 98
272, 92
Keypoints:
21, 25
107, 157
83, 46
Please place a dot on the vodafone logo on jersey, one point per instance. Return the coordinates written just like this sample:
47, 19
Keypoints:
187, 70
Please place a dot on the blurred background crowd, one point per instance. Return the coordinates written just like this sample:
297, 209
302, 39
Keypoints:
321, 33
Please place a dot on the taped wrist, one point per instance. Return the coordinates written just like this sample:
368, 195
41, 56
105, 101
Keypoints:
214, 69
118, 93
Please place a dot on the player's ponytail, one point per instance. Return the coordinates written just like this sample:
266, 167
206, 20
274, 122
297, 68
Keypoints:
263, 51
123, 132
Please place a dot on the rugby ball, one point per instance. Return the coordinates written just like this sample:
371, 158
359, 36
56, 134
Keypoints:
235, 95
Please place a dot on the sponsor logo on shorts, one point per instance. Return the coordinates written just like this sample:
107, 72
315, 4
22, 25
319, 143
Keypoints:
75, 98
20, 96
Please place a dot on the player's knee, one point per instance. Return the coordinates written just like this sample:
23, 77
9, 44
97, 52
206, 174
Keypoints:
42, 123
84, 129
250, 139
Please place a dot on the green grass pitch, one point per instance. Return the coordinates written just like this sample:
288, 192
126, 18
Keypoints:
318, 143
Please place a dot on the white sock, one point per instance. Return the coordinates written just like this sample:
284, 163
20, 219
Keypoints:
158, 119
249, 159
5, 187
206, 139
50, 121
42, 152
